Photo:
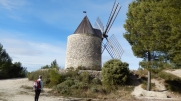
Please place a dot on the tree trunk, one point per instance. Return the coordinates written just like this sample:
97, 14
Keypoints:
149, 81
149, 73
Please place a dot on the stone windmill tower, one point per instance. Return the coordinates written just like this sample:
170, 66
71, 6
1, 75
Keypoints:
84, 47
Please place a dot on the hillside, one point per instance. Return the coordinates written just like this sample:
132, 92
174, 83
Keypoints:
160, 91
21, 90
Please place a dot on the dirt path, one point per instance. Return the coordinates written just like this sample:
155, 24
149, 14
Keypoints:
21, 90
176, 72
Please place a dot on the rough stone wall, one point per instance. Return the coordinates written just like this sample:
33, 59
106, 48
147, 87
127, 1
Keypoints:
83, 50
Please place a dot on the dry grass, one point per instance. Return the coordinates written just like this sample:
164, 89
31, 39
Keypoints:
172, 82
26, 87
123, 92
23, 92
153, 86
141, 73
2, 99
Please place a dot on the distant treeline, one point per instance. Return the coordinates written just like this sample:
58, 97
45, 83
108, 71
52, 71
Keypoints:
9, 69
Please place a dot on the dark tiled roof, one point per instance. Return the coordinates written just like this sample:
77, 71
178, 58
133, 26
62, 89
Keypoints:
84, 27
98, 33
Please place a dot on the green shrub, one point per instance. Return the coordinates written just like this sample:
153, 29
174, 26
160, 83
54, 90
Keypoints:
94, 89
96, 81
50, 78
35, 74
64, 87
81, 68
115, 72
84, 77
71, 72
55, 77
77, 82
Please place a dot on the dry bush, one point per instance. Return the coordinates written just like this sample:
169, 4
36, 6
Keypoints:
141, 73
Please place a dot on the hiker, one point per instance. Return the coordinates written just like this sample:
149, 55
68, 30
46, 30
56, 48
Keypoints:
38, 86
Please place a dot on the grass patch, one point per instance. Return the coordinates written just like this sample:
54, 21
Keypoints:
144, 86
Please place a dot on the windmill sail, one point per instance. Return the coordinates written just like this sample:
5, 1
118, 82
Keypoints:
113, 19
99, 25
114, 48
103, 47
112, 45
115, 10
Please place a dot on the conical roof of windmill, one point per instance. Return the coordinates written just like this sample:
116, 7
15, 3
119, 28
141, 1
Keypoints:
85, 27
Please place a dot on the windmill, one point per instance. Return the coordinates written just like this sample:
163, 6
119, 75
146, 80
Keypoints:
85, 46
112, 45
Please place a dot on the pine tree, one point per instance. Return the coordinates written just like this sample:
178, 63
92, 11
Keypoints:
5, 63
154, 25
7, 68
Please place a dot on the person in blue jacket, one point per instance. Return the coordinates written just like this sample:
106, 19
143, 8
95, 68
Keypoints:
38, 87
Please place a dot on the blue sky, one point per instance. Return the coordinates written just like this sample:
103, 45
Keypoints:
34, 32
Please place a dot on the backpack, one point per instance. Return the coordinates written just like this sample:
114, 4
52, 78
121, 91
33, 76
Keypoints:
37, 85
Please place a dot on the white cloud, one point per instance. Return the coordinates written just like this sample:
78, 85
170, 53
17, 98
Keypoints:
11, 4
33, 55
14, 9
19, 47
